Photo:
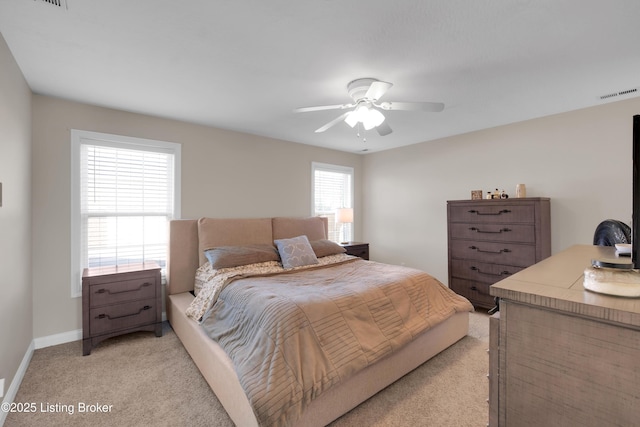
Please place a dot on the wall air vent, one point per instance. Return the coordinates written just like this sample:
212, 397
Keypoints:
628, 91
59, 3
621, 93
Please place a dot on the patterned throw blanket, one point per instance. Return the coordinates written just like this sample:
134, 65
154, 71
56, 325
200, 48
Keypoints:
293, 335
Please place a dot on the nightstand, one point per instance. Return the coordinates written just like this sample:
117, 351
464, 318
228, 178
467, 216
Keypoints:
357, 249
119, 300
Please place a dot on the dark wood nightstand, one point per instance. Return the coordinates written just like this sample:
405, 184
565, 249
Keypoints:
119, 300
357, 249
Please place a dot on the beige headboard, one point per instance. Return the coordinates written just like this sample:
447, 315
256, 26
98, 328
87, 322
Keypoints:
188, 238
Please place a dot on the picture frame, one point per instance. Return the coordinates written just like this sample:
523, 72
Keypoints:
476, 194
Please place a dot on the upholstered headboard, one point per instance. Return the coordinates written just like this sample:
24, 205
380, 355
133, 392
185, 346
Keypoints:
188, 238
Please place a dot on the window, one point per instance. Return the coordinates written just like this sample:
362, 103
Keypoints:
332, 188
124, 192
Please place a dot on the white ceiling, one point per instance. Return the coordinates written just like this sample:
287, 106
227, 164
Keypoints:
245, 65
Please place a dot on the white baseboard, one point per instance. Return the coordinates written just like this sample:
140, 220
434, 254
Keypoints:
56, 339
17, 380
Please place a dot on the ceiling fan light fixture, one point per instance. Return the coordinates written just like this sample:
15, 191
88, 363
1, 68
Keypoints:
373, 119
369, 117
366, 94
351, 119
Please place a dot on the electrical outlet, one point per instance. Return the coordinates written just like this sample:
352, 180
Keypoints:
1, 387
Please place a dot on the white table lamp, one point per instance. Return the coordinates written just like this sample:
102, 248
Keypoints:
344, 216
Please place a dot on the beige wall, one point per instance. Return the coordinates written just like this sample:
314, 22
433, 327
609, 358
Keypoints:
580, 159
16, 314
224, 174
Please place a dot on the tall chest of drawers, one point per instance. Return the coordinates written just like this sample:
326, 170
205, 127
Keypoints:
489, 240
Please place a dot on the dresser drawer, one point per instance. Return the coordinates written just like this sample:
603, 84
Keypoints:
494, 252
122, 316
476, 292
481, 271
492, 212
126, 290
522, 233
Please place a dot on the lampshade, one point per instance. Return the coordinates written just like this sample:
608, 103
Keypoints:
344, 215
372, 119
357, 115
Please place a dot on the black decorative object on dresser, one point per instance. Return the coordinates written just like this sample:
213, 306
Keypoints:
119, 300
489, 240
358, 249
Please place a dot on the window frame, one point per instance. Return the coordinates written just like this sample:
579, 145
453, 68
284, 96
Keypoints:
349, 202
82, 137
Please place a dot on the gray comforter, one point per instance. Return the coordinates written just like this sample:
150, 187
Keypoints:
291, 336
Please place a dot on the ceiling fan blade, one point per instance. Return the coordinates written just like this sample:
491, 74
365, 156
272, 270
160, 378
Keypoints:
333, 122
434, 107
384, 129
377, 89
323, 107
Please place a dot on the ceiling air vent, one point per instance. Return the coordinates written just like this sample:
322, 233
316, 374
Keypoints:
621, 93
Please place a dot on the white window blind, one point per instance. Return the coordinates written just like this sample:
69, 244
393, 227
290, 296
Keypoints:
333, 189
126, 195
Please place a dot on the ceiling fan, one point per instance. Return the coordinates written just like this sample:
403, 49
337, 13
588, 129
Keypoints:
366, 106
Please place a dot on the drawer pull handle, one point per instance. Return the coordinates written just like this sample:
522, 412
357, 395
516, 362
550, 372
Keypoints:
503, 211
102, 316
502, 273
475, 248
502, 230
102, 290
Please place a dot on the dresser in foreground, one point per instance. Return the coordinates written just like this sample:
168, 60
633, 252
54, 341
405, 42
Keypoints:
561, 355
119, 300
493, 239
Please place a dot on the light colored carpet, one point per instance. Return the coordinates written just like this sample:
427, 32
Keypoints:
144, 380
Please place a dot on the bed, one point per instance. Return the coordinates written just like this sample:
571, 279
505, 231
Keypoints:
189, 239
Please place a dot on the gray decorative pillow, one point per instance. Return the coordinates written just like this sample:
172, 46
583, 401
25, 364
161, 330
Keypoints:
234, 256
296, 252
326, 247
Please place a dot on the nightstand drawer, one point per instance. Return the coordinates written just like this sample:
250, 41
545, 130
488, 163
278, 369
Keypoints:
127, 290
122, 316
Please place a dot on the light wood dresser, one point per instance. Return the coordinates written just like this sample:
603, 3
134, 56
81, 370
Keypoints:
561, 355
493, 239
